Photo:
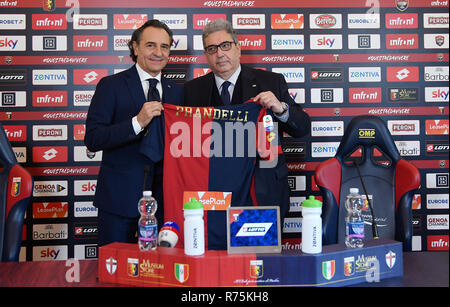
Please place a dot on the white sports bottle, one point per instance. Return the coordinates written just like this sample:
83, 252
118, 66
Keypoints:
194, 229
311, 226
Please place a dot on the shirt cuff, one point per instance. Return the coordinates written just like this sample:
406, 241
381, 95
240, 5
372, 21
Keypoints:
137, 128
284, 117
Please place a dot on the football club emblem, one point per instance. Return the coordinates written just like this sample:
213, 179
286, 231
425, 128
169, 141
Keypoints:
181, 272
349, 266
111, 265
390, 259
49, 5
132, 267
15, 187
256, 268
328, 269
402, 5
440, 40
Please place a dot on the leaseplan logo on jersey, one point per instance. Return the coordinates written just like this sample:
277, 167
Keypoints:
254, 230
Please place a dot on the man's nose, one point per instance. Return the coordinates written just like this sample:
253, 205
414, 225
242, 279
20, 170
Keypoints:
157, 51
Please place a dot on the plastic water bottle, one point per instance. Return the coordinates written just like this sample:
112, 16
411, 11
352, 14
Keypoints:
311, 226
354, 229
194, 229
147, 225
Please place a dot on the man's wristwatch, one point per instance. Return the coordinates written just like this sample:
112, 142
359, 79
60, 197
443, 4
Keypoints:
285, 108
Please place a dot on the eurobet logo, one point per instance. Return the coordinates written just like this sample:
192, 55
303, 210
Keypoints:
366, 133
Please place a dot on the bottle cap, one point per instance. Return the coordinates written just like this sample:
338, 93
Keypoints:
311, 202
147, 193
354, 190
193, 204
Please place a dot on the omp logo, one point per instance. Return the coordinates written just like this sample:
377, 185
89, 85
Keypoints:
254, 229
366, 133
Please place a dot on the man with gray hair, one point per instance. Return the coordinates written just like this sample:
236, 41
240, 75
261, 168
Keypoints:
230, 83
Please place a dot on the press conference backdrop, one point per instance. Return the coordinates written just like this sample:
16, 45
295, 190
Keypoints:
340, 59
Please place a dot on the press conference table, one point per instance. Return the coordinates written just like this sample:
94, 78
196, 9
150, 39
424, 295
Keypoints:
421, 269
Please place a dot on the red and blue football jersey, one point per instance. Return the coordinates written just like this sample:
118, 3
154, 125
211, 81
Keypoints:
210, 149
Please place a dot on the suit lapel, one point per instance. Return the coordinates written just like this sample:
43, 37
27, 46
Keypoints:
167, 92
249, 85
135, 87
207, 95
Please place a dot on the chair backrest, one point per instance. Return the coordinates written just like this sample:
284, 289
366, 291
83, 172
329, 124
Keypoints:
16, 187
390, 182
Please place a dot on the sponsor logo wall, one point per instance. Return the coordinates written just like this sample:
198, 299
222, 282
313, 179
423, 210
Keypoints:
390, 61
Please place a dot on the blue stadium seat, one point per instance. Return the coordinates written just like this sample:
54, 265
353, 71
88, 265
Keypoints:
16, 187
390, 181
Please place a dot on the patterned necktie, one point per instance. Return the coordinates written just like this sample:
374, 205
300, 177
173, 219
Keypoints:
225, 94
153, 94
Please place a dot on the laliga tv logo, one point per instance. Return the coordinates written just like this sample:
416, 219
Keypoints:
254, 229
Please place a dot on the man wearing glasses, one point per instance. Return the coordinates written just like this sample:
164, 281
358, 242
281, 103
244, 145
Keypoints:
231, 83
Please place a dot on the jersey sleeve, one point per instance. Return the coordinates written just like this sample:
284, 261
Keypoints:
267, 138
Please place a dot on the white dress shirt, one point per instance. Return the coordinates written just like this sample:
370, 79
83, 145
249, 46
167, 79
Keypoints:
144, 76
233, 80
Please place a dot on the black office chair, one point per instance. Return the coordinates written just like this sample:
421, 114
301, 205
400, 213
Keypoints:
367, 149
16, 187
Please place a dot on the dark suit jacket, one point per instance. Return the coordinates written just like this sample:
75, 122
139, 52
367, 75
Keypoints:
271, 185
117, 99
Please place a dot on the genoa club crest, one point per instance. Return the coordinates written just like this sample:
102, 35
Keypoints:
349, 266
256, 268
328, 269
49, 5
133, 267
181, 272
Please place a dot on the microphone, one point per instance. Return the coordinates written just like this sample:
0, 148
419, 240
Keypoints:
168, 235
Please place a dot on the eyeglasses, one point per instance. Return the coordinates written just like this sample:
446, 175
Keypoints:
224, 46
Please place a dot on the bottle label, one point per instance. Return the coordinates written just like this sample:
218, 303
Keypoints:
355, 229
148, 233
